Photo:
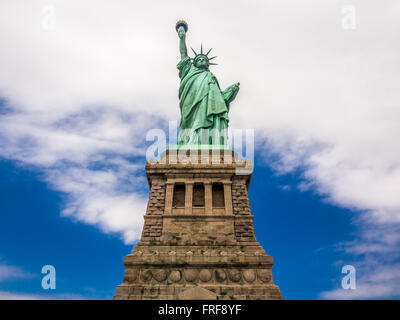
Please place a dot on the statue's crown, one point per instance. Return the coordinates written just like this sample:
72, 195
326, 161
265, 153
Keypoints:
196, 55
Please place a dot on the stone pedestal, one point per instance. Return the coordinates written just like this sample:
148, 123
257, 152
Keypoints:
198, 239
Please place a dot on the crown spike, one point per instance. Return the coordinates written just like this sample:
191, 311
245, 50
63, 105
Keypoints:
214, 64
208, 52
193, 51
212, 58
201, 49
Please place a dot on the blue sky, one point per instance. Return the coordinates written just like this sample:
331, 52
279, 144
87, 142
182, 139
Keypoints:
82, 90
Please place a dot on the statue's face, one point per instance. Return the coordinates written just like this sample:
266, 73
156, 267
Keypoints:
201, 62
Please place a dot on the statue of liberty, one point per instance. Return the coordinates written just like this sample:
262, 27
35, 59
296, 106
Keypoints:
204, 107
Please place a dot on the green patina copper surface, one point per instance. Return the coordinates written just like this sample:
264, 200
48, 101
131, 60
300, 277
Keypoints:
204, 107
199, 147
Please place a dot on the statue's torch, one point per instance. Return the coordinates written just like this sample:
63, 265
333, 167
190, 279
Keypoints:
181, 23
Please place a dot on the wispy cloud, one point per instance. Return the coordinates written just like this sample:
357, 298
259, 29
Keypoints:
375, 255
377, 281
7, 295
10, 273
14, 273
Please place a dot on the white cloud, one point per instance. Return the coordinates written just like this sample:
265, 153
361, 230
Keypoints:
13, 273
7, 295
85, 156
105, 198
376, 282
321, 98
8, 273
376, 257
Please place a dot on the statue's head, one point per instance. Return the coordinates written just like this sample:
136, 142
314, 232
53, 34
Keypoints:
201, 60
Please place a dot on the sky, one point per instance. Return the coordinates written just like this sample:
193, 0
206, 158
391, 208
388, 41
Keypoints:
83, 82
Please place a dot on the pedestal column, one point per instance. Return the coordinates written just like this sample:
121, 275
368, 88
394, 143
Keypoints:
208, 197
188, 197
228, 197
169, 192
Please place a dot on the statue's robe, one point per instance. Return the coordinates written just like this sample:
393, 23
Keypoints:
202, 104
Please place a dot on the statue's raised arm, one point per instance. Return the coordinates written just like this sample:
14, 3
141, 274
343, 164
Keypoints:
181, 28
